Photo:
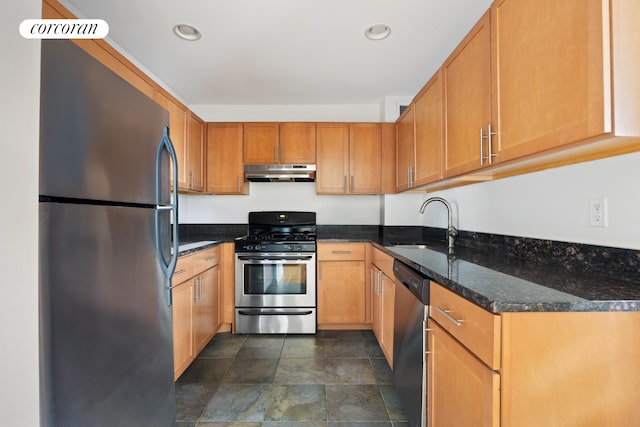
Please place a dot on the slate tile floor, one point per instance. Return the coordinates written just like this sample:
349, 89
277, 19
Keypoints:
331, 379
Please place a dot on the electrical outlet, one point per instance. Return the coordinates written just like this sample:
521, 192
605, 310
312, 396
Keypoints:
598, 213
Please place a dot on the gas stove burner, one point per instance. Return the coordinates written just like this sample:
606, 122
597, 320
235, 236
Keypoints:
278, 237
276, 231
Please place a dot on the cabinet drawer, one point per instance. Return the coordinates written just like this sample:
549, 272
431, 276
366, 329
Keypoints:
341, 251
206, 258
383, 261
185, 269
475, 328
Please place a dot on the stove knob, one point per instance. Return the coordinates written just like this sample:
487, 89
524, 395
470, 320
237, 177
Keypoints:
249, 247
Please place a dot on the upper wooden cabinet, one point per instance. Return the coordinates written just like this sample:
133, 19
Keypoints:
186, 131
429, 131
279, 143
551, 81
195, 164
178, 135
349, 159
332, 166
420, 137
261, 143
405, 149
467, 90
224, 159
298, 143
542, 84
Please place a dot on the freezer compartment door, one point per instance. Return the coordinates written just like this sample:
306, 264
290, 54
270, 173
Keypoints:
99, 136
106, 338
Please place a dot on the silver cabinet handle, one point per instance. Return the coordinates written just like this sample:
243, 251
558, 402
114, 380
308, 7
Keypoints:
238, 183
211, 258
181, 271
191, 180
346, 190
445, 313
490, 134
488, 137
481, 150
275, 153
410, 176
353, 182
282, 153
341, 252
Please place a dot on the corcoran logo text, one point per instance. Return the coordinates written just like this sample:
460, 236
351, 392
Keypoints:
64, 29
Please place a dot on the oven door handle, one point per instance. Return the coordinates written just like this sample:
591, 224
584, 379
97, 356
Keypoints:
263, 312
275, 258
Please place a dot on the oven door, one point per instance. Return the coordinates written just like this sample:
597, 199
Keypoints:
275, 280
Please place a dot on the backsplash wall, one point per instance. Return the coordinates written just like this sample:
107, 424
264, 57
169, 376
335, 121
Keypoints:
551, 204
292, 196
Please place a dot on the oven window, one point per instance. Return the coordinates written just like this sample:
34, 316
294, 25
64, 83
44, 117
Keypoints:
269, 279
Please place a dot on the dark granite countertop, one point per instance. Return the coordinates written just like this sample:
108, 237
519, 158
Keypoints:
508, 284
498, 273
186, 248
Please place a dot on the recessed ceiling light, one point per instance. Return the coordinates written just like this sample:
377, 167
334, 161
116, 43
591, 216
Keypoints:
377, 32
187, 32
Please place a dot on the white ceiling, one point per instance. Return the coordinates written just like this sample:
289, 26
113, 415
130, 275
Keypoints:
287, 51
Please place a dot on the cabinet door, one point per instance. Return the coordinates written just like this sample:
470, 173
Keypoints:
225, 173
462, 391
387, 290
195, 154
365, 162
467, 85
405, 150
298, 143
376, 303
177, 133
182, 308
332, 167
388, 154
558, 97
341, 292
207, 318
429, 131
261, 143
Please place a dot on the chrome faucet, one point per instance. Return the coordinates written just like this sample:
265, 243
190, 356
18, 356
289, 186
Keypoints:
451, 230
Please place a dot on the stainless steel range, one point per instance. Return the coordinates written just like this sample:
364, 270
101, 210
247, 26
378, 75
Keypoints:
276, 274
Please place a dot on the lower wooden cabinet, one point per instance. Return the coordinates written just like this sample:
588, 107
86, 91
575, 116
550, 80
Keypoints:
462, 391
382, 301
183, 348
196, 305
530, 369
343, 297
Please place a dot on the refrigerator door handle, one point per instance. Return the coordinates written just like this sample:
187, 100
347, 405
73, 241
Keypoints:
167, 267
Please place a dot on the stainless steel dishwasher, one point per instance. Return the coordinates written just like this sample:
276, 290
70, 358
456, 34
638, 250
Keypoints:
410, 314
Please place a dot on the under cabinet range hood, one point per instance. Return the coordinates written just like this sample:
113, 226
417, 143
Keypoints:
280, 173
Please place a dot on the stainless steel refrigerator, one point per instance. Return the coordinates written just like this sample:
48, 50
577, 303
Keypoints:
107, 247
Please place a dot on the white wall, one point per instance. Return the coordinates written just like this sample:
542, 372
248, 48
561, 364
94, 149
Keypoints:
280, 196
551, 204
288, 113
19, 109
384, 111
